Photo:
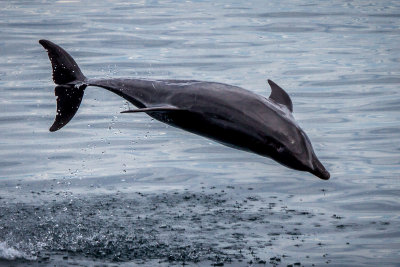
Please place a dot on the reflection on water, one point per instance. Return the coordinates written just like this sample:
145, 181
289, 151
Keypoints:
339, 61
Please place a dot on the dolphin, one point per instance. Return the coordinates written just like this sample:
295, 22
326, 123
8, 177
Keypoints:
225, 113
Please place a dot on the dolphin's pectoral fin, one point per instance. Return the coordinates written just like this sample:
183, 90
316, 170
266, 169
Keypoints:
280, 96
153, 109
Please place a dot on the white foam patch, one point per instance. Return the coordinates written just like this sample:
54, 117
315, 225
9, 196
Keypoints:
10, 253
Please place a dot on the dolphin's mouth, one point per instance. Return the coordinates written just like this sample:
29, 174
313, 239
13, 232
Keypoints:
319, 170
325, 175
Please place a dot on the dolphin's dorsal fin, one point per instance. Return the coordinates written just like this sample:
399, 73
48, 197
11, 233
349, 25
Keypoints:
280, 96
153, 109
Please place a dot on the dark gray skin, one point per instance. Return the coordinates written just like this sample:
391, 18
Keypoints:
227, 114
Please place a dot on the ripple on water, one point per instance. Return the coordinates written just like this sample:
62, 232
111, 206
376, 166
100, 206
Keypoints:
67, 193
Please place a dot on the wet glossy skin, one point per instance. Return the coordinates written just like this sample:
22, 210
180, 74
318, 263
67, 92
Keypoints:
228, 114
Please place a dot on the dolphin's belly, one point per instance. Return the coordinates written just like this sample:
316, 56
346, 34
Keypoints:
217, 129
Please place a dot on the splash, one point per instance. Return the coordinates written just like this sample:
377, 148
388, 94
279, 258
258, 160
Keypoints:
9, 253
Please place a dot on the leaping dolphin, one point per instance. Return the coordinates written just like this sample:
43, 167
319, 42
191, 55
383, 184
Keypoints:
227, 114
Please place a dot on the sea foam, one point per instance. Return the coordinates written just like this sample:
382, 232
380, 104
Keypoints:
9, 253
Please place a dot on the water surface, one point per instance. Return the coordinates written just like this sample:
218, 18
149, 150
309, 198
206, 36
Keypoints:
121, 188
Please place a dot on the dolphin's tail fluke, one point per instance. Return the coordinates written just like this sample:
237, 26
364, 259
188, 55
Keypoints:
70, 81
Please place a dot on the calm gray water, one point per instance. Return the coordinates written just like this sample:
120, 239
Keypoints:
122, 189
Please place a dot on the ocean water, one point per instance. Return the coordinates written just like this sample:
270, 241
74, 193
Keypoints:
122, 189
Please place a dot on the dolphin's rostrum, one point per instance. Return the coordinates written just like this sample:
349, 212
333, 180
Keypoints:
227, 114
